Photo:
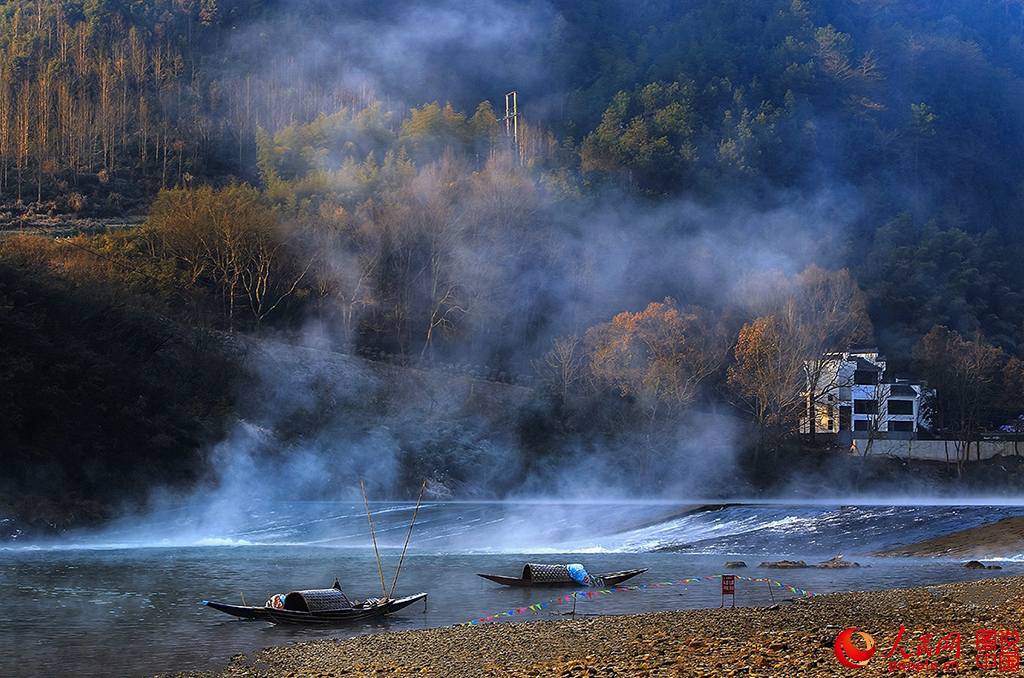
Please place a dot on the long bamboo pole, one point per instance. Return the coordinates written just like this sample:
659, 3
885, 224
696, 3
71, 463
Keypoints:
373, 537
408, 536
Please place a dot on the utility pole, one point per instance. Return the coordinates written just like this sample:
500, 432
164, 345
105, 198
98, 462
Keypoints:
512, 122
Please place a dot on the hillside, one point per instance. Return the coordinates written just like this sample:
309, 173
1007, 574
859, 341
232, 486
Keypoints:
102, 401
698, 200
905, 117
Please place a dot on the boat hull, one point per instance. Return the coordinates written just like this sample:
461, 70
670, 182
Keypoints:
608, 579
326, 618
341, 617
240, 611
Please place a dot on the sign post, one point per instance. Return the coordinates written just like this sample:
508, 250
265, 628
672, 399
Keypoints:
728, 588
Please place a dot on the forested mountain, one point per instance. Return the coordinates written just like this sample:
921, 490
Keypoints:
692, 184
708, 96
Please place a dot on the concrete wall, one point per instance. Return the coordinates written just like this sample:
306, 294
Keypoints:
937, 450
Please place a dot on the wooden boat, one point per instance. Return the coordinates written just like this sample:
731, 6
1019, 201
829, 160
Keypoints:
558, 575
356, 613
332, 606
317, 606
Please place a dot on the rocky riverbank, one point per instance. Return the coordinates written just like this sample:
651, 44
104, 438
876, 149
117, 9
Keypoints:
788, 640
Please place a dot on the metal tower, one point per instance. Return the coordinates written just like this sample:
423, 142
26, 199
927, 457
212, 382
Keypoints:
512, 120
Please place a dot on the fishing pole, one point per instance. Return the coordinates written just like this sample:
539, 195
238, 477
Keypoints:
408, 536
373, 537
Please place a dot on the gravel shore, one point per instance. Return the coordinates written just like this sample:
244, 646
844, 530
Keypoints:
787, 640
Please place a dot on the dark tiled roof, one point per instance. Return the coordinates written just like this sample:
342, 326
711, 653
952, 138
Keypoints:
902, 390
863, 364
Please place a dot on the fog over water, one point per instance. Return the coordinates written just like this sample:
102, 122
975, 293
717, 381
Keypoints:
630, 254
138, 584
539, 526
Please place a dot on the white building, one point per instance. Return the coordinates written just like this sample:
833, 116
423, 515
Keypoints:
854, 393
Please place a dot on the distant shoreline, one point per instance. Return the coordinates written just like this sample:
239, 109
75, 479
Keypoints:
1001, 539
795, 639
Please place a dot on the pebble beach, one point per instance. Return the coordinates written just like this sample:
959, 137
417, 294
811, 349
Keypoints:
789, 639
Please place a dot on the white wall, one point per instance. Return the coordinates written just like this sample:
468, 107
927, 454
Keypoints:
936, 450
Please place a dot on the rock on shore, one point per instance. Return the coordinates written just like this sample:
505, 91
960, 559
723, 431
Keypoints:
792, 640
837, 563
783, 564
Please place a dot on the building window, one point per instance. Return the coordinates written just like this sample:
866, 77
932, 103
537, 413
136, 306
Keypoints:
901, 426
865, 406
861, 425
865, 377
845, 415
901, 407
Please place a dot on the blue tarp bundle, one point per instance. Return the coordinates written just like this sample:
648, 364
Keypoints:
579, 574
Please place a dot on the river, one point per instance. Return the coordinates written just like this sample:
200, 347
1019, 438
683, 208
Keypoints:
126, 600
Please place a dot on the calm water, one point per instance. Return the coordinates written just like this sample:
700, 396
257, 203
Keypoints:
126, 601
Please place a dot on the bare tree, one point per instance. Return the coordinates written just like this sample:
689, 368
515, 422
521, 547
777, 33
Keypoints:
878, 417
967, 376
270, 272
826, 312
22, 134
424, 229
354, 290
784, 361
233, 242
445, 308
565, 364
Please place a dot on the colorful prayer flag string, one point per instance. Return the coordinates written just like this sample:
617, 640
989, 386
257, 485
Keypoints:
590, 593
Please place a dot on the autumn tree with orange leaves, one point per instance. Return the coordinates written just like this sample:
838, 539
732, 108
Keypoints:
660, 356
768, 374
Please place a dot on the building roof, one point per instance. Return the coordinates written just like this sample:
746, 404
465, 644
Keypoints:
863, 364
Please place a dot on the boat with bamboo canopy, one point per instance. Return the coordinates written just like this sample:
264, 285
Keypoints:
331, 606
571, 575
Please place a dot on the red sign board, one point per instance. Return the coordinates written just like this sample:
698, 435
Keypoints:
728, 584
